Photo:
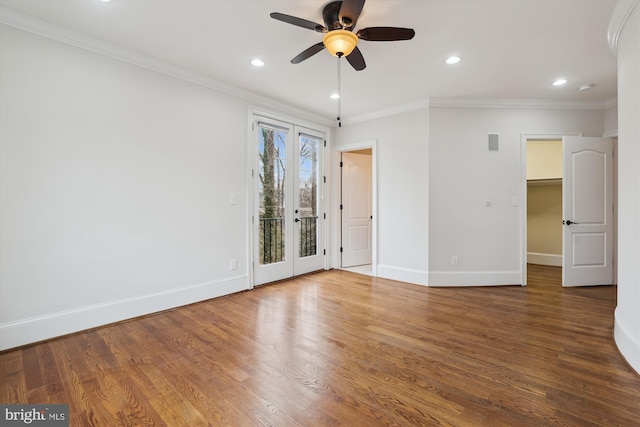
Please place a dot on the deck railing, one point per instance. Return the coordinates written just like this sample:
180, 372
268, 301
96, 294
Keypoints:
272, 238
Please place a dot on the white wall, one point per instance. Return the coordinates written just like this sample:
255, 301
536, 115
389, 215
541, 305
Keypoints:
115, 187
464, 175
402, 200
627, 314
611, 120
461, 174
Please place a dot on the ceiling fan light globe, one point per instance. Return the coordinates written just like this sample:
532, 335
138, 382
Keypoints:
340, 42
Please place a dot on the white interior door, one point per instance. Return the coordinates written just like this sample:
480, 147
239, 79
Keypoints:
356, 209
288, 218
587, 208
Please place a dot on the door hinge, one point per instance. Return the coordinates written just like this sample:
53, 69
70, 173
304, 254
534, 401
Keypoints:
341, 164
341, 250
325, 142
325, 215
324, 179
324, 252
341, 207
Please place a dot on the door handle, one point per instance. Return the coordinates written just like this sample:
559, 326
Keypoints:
297, 220
569, 222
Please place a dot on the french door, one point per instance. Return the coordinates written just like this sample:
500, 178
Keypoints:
288, 216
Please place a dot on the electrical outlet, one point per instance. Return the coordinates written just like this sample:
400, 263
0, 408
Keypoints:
454, 260
234, 264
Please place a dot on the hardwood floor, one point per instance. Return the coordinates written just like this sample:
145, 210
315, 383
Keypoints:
338, 348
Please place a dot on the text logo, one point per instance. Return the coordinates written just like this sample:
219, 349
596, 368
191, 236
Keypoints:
34, 415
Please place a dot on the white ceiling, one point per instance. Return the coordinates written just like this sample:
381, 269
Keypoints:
510, 49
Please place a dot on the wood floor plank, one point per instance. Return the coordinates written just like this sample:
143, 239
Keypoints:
341, 349
13, 386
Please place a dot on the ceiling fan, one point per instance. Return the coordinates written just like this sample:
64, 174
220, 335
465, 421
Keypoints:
340, 19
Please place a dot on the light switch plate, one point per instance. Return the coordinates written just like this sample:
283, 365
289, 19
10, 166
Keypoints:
493, 142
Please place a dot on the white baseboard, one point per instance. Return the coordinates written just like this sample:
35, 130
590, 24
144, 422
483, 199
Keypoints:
628, 345
544, 259
418, 277
474, 278
27, 331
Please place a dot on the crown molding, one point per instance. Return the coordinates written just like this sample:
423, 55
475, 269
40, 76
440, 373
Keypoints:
611, 103
60, 34
619, 18
405, 108
541, 104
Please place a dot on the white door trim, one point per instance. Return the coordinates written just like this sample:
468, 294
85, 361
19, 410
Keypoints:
372, 144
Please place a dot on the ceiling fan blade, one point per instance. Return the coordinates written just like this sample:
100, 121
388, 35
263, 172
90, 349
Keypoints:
385, 34
356, 60
298, 22
350, 12
308, 53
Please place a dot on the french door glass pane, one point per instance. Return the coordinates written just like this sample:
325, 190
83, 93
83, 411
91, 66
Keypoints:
272, 194
308, 194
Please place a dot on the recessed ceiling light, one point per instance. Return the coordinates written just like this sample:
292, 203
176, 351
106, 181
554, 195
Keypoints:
453, 60
105, 1
335, 96
257, 62
585, 87
560, 82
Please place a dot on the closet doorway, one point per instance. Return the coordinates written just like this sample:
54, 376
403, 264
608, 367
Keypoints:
569, 218
544, 202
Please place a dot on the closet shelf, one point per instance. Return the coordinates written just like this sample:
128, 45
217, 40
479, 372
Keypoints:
544, 181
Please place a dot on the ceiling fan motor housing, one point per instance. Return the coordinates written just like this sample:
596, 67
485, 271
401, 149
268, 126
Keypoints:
331, 16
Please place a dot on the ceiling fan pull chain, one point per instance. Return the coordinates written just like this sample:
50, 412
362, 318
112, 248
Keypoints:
339, 93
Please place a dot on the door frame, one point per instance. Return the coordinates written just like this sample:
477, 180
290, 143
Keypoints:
524, 137
337, 228
252, 113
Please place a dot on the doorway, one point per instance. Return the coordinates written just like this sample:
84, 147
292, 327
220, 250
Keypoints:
357, 235
288, 211
544, 202
569, 205
356, 209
